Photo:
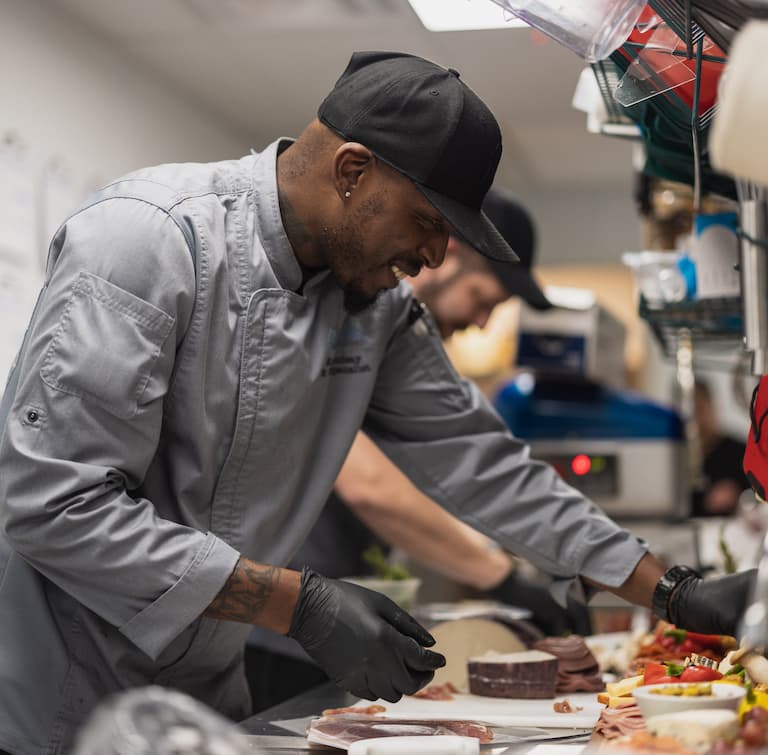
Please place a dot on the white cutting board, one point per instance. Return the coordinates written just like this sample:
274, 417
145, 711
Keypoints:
499, 711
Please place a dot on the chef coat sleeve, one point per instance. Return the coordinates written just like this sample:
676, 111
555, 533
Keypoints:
442, 432
85, 422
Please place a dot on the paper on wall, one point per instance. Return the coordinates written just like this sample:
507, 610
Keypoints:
19, 288
61, 194
17, 207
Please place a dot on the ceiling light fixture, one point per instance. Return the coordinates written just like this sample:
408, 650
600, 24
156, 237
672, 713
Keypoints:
463, 15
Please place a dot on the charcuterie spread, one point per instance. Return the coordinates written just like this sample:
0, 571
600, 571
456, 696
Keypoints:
679, 692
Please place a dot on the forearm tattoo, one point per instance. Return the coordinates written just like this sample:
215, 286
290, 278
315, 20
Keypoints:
245, 594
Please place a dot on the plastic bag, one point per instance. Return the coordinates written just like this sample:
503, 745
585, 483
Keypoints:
158, 721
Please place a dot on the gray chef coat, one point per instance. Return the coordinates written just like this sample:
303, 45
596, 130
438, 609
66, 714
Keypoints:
178, 403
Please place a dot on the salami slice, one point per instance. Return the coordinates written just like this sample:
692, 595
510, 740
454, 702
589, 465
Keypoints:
577, 669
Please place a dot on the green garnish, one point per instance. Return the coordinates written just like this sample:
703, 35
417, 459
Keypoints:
674, 669
678, 635
737, 669
729, 562
378, 561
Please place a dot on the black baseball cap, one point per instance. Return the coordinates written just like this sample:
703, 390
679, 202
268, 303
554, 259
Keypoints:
425, 122
515, 224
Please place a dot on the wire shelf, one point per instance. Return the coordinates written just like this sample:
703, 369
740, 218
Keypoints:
713, 326
617, 123
718, 19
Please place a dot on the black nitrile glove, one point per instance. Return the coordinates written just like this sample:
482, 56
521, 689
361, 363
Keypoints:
366, 643
546, 613
710, 606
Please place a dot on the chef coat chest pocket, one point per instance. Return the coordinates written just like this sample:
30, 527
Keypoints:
105, 346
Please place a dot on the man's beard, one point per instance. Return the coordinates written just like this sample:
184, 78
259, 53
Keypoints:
355, 301
344, 249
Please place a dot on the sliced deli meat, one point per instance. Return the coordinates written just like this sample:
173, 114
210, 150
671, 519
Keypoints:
620, 722
577, 668
531, 674
437, 692
342, 731
367, 710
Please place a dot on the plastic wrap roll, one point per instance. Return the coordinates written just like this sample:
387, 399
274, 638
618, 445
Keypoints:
737, 141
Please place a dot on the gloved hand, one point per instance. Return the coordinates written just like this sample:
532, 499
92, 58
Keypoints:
546, 613
366, 643
711, 606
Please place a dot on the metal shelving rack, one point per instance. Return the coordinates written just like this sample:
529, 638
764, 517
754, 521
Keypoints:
712, 328
709, 328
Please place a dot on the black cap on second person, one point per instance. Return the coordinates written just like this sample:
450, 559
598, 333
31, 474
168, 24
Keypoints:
514, 223
425, 122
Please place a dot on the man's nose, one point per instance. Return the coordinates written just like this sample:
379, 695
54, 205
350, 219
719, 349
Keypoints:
434, 250
481, 319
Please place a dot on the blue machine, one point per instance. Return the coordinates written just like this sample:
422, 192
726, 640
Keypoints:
621, 449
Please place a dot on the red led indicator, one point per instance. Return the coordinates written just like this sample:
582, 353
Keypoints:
581, 464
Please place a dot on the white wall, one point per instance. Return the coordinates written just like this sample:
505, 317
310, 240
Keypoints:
70, 94
75, 104
590, 225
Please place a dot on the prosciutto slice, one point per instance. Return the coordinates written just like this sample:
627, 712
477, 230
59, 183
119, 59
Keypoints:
437, 692
342, 731
367, 710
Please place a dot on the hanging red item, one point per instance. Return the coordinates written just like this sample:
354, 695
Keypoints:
756, 454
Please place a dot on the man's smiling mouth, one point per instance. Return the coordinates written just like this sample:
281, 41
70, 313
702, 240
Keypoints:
398, 273
404, 269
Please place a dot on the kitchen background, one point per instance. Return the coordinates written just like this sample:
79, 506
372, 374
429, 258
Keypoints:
94, 88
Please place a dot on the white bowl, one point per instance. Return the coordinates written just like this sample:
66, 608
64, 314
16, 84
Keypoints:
438, 744
401, 591
724, 696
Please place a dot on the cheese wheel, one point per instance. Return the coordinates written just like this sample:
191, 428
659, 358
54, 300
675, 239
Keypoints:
460, 639
697, 729
529, 674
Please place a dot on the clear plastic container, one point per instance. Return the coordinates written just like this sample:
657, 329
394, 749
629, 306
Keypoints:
158, 721
659, 276
402, 591
593, 29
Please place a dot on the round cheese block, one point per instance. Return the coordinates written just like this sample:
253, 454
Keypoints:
460, 639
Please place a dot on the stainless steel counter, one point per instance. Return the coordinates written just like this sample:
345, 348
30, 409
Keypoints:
268, 738
305, 705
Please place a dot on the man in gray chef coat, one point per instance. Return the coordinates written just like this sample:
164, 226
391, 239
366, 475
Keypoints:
209, 339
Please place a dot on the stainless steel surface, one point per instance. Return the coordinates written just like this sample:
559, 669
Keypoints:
266, 744
754, 281
309, 703
268, 737
275, 745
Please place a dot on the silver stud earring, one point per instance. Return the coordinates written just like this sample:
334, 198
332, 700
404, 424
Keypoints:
347, 194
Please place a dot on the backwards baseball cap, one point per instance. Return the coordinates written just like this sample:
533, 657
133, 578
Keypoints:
514, 223
429, 125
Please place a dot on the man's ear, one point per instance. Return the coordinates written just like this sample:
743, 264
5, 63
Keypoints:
351, 162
